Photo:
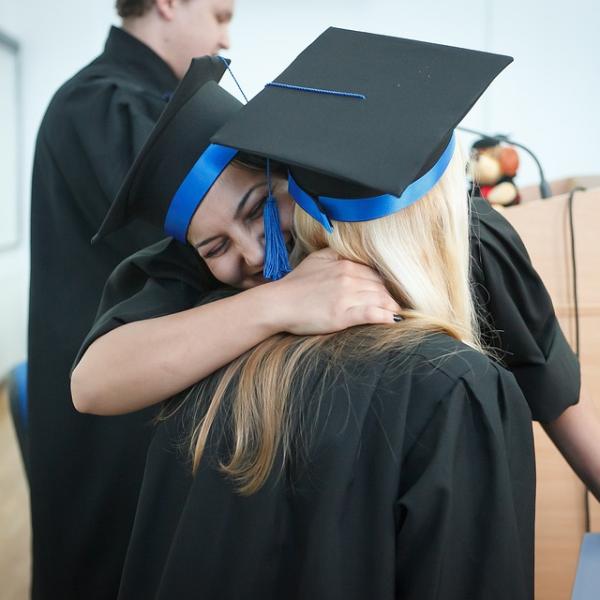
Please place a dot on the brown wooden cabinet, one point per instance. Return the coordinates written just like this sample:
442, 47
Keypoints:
561, 505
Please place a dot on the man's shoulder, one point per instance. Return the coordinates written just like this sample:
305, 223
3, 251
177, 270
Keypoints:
95, 84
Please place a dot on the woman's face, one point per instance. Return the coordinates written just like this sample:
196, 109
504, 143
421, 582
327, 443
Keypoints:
227, 229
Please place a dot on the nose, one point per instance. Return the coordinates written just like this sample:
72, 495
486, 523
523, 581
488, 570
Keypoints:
253, 253
224, 41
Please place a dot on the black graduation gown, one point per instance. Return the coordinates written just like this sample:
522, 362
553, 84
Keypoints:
419, 484
517, 316
85, 471
516, 313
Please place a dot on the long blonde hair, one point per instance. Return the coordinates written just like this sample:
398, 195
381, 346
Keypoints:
422, 253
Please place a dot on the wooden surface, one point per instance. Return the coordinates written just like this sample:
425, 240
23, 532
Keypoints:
560, 186
560, 522
15, 532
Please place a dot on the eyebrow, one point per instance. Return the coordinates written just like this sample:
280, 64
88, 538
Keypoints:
238, 210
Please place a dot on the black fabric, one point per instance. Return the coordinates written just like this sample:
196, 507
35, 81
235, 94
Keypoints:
162, 279
416, 93
196, 110
419, 484
516, 314
518, 318
85, 471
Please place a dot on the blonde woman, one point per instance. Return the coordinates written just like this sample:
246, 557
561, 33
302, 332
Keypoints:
384, 461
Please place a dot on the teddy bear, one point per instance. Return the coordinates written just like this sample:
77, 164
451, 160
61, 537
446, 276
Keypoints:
493, 167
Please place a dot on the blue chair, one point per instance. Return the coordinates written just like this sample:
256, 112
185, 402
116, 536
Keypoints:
587, 580
17, 399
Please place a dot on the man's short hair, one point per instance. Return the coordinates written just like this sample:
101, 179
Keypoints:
133, 8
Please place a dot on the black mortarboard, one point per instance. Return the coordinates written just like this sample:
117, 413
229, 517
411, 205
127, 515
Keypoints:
366, 118
177, 165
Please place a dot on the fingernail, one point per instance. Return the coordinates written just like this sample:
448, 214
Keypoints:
398, 318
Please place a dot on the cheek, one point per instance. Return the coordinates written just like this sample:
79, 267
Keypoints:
208, 27
286, 213
226, 269
197, 33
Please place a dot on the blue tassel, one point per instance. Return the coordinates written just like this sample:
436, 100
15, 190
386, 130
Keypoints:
277, 263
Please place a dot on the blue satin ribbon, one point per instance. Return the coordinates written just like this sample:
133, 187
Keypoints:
324, 208
194, 188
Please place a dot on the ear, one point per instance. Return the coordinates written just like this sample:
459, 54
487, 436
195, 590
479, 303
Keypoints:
166, 8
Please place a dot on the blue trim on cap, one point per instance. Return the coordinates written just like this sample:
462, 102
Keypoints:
194, 188
324, 208
308, 203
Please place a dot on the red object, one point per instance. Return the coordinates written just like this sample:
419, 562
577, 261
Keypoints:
509, 161
485, 190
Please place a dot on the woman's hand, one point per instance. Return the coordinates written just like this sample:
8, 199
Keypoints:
325, 293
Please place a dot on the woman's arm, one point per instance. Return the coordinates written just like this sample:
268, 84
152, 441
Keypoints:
576, 433
142, 363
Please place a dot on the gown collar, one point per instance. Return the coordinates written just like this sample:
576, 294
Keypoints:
123, 48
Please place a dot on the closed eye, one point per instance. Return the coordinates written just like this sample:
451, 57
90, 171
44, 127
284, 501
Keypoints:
257, 211
217, 250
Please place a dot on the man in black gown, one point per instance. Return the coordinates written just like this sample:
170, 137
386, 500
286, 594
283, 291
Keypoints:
85, 470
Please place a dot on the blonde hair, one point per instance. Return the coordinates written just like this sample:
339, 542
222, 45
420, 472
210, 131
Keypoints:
422, 253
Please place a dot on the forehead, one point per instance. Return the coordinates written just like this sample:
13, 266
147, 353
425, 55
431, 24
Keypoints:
238, 177
220, 204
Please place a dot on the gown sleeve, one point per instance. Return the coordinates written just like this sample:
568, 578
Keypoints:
465, 510
81, 162
110, 144
162, 279
517, 316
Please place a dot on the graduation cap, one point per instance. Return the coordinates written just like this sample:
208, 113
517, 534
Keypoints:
365, 122
177, 164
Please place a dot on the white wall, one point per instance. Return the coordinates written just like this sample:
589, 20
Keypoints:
548, 99
56, 39
12, 262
